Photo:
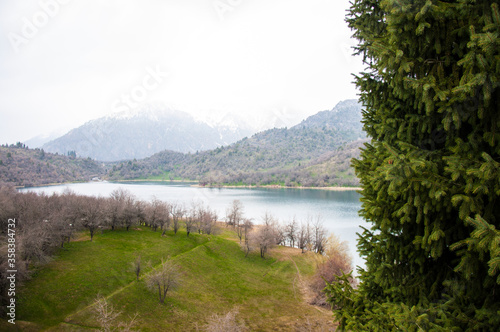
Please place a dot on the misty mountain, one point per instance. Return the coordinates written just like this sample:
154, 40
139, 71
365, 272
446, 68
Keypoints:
142, 133
275, 156
39, 140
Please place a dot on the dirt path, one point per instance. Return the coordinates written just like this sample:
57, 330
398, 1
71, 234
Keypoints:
307, 295
70, 317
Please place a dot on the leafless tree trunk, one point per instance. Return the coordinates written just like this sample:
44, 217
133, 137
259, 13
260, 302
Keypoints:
234, 214
129, 212
165, 278
320, 236
247, 226
92, 213
291, 230
304, 236
178, 212
193, 216
264, 236
157, 214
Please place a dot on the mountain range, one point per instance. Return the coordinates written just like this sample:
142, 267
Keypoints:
143, 132
284, 156
316, 152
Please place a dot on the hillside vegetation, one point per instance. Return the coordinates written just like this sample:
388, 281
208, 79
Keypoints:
315, 153
216, 278
76, 253
21, 166
298, 156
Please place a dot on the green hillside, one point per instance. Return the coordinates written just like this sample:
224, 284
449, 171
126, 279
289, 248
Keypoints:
215, 278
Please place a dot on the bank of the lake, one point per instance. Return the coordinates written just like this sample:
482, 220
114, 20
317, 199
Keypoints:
271, 186
338, 209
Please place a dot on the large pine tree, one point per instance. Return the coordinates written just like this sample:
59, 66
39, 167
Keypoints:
431, 173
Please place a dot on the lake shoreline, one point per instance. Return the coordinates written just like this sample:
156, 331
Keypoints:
268, 186
196, 185
282, 187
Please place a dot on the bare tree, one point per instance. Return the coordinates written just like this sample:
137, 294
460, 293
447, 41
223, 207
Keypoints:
304, 236
140, 211
58, 218
193, 216
240, 231
290, 232
34, 242
7, 205
163, 279
129, 214
320, 236
247, 227
225, 323
234, 214
264, 236
156, 212
178, 211
280, 234
92, 213
248, 245
164, 217
69, 215
113, 208
106, 316
209, 222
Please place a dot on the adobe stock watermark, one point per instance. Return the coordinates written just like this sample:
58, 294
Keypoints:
223, 7
30, 27
139, 93
11, 270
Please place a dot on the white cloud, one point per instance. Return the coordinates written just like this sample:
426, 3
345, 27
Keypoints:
263, 55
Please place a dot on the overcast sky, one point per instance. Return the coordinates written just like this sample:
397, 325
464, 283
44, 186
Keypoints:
63, 63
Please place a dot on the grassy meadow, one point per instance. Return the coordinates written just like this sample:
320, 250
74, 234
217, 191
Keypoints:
268, 294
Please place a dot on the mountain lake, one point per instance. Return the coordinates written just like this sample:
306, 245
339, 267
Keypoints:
338, 209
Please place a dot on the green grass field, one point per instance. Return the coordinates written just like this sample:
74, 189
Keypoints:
216, 278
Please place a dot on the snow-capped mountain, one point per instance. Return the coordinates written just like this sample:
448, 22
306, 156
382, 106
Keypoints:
142, 132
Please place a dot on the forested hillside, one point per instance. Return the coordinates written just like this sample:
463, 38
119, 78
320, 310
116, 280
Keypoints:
296, 156
20, 166
317, 152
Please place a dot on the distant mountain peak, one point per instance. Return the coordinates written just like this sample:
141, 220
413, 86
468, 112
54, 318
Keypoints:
153, 111
154, 127
346, 115
140, 133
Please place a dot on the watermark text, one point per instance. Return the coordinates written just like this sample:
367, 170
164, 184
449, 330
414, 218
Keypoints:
11, 270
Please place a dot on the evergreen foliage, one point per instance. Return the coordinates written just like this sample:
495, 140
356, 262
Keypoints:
431, 173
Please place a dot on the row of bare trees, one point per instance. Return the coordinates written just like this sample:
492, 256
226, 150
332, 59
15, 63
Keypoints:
310, 235
44, 222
